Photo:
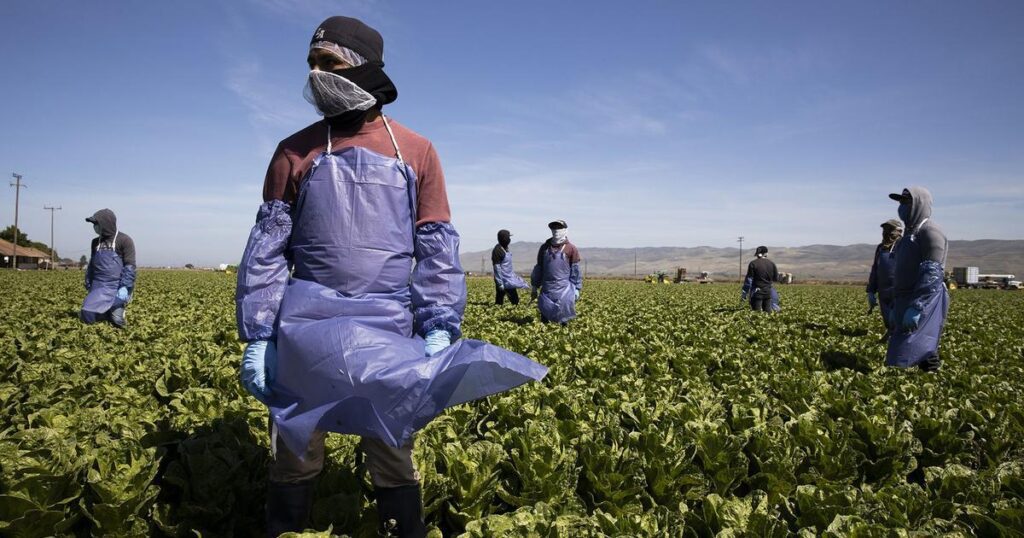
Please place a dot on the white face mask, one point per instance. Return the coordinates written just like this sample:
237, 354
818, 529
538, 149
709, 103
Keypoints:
334, 94
559, 236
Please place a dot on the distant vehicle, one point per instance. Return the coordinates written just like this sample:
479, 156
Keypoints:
661, 277
971, 277
681, 276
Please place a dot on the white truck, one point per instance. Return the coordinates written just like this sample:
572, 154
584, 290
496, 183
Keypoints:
970, 277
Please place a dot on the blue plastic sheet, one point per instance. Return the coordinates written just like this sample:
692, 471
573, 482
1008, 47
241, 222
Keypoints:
347, 365
349, 359
505, 274
557, 299
909, 348
104, 279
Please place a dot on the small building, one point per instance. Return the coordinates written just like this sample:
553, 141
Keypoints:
28, 257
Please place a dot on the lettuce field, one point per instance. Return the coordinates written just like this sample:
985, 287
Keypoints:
668, 411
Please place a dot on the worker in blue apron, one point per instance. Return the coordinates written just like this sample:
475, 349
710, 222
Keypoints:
506, 281
883, 272
556, 278
920, 299
352, 308
110, 276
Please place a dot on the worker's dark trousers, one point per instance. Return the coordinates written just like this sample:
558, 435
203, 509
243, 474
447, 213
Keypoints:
499, 295
761, 300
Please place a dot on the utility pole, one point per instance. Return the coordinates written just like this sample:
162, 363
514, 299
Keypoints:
482, 265
634, 262
741, 257
52, 209
17, 184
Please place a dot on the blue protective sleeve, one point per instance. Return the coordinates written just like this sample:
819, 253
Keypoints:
88, 276
930, 280
438, 282
263, 273
748, 283
127, 277
576, 276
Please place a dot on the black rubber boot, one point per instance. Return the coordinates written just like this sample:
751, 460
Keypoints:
931, 364
401, 512
288, 507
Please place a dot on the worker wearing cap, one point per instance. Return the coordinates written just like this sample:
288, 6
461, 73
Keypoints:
557, 277
761, 273
920, 299
883, 270
350, 294
506, 281
110, 277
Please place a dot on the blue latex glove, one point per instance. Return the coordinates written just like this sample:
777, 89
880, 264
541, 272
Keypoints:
872, 299
259, 367
911, 318
577, 294
436, 341
501, 286
122, 294
743, 296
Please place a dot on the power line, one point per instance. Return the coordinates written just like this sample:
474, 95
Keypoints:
740, 240
52, 210
17, 184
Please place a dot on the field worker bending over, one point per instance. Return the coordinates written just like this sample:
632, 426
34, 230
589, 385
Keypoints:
883, 271
557, 276
110, 277
920, 299
361, 336
761, 273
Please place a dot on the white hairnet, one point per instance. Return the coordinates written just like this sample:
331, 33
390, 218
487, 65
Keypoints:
352, 57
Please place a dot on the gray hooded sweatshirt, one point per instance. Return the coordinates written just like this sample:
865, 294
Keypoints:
923, 240
107, 221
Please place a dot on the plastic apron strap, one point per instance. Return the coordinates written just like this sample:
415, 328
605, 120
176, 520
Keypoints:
410, 186
112, 244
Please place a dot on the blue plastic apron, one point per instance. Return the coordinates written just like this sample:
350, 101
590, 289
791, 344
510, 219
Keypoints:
105, 267
557, 301
908, 349
887, 267
348, 361
505, 274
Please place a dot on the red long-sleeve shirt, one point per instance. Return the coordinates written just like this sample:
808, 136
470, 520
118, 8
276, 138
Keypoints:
294, 156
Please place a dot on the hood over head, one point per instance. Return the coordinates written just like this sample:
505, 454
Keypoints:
920, 201
504, 238
107, 222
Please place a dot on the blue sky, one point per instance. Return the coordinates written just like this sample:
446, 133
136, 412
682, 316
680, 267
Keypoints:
642, 124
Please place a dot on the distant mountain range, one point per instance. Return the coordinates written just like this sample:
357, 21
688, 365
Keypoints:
812, 262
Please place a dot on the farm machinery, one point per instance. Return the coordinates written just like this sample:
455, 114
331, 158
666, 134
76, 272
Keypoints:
970, 277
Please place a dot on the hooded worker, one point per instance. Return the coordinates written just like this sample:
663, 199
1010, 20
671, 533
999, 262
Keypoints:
920, 299
110, 276
350, 293
556, 276
883, 269
761, 274
506, 281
